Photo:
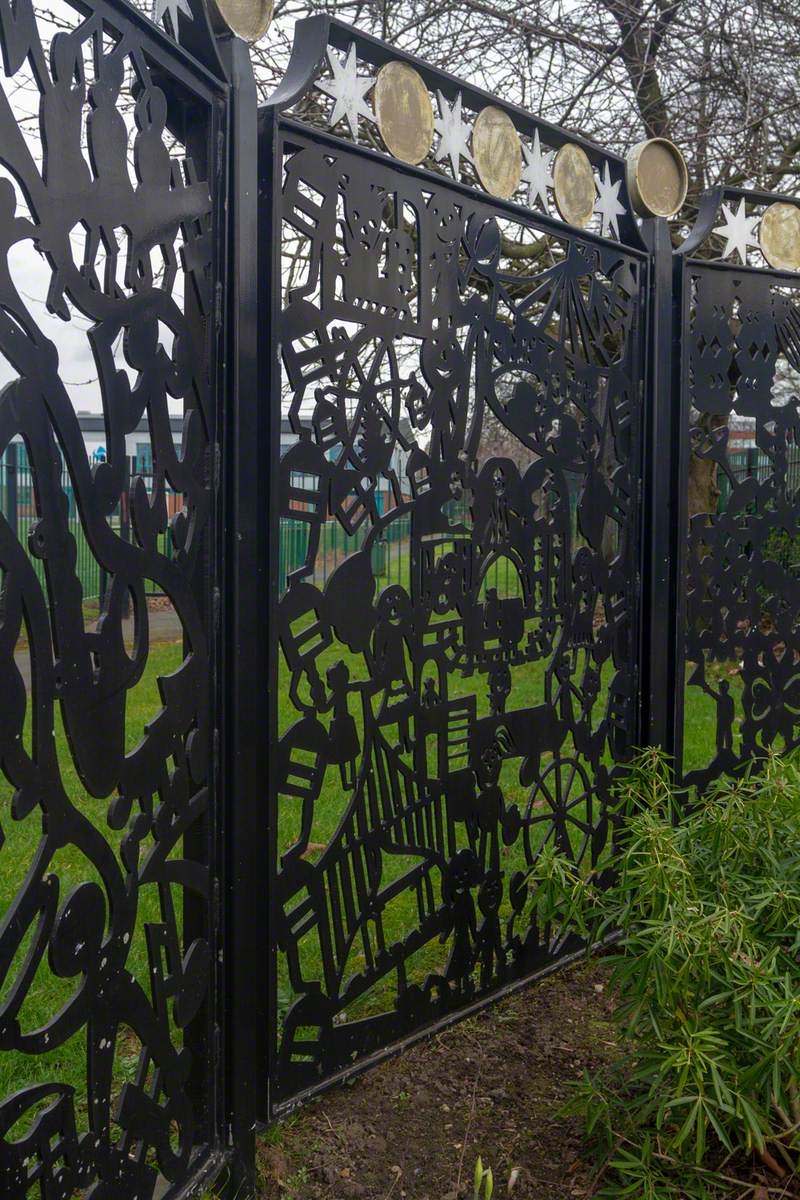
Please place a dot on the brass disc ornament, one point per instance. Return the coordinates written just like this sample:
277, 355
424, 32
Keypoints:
497, 152
573, 185
657, 178
403, 111
779, 236
248, 19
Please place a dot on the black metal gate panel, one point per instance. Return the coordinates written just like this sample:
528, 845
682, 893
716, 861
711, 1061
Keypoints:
113, 170
738, 693
457, 383
431, 538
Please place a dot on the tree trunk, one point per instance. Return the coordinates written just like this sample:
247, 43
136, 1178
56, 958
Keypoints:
703, 487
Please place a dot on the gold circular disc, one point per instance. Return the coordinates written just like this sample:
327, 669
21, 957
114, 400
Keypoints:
403, 111
573, 184
497, 152
779, 236
657, 178
248, 19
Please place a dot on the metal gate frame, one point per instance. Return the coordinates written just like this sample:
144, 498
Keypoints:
736, 592
675, 586
180, 68
316, 38
233, 1034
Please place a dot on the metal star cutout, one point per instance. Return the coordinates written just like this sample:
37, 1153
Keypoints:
347, 89
171, 8
608, 204
453, 133
738, 231
537, 172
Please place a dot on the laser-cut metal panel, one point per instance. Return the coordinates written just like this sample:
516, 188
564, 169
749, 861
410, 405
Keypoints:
738, 578
106, 940
455, 683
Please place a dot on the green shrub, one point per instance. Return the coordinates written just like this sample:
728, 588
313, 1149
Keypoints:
707, 979
782, 548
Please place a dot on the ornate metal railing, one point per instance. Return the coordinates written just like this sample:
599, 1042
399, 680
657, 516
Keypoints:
113, 149
504, 543
484, 362
739, 597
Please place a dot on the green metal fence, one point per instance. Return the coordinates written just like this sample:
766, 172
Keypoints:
754, 463
781, 545
389, 554
18, 506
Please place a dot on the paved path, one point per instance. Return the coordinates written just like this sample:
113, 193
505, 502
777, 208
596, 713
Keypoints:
163, 623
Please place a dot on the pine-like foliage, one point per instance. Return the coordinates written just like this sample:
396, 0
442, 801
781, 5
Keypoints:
707, 979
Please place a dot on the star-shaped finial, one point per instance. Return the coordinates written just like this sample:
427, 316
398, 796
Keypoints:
738, 231
453, 133
608, 204
347, 89
171, 8
537, 172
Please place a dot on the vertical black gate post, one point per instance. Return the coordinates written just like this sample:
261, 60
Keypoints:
659, 499
241, 587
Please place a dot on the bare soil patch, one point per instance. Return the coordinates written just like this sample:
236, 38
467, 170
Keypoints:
493, 1085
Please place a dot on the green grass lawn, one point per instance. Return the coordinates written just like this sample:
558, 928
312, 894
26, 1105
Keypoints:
48, 993
529, 690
